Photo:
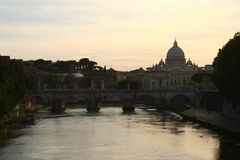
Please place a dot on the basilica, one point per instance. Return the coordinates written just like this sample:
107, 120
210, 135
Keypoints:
172, 73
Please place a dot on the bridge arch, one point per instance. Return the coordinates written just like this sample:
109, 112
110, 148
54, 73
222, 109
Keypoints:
147, 99
112, 98
180, 99
74, 98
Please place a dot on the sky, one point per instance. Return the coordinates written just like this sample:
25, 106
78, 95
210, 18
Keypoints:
125, 34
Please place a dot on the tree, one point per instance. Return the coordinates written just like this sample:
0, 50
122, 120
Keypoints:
83, 63
12, 85
226, 66
91, 65
86, 65
43, 65
65, 66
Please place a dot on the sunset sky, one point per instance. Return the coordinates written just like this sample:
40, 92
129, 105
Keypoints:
125, 34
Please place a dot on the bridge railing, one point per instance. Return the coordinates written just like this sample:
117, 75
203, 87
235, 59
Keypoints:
71, 91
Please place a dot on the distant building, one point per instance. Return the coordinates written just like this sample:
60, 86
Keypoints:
107, 79
175, 72
207, 83
122, 76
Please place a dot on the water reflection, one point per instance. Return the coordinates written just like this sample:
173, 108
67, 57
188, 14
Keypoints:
108, 135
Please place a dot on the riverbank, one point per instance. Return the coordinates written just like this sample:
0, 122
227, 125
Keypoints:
17, 119
214, 120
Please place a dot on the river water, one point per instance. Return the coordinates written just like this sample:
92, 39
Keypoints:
111, 135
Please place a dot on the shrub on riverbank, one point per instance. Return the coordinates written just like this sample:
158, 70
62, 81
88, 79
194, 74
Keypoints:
14, 117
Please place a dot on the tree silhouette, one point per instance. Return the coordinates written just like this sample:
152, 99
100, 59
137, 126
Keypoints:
86, 65
83, 63
226, 74
13, 84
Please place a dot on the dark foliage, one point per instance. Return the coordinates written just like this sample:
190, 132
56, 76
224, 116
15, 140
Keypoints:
12, 85
65, 66
70, 66
226, 74
86, 65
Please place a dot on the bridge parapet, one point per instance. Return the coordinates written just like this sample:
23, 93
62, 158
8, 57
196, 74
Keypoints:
113, 95
77, 91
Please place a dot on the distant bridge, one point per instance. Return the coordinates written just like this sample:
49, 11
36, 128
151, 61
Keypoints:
160, 96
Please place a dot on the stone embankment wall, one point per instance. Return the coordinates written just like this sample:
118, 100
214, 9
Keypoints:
231, 111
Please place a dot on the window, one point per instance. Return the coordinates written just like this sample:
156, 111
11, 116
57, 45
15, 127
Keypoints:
160, 83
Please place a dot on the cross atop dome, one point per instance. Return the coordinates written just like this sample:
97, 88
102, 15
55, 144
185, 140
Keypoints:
175, 43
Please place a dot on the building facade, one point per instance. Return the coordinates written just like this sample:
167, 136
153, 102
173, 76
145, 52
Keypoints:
172, 73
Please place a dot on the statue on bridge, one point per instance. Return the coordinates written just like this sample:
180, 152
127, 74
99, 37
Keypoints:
58, 106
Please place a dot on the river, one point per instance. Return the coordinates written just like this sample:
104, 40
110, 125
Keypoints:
111, 135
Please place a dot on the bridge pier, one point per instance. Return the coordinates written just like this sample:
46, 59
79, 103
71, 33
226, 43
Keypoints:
93, 101
58, 106
128, 102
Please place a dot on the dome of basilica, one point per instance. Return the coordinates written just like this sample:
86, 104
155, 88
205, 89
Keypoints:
175, 51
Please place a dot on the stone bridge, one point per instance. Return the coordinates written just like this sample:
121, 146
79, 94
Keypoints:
59, 97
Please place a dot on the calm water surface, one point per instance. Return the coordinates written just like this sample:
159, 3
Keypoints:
111, 135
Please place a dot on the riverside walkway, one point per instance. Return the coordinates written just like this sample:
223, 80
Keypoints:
215, 119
